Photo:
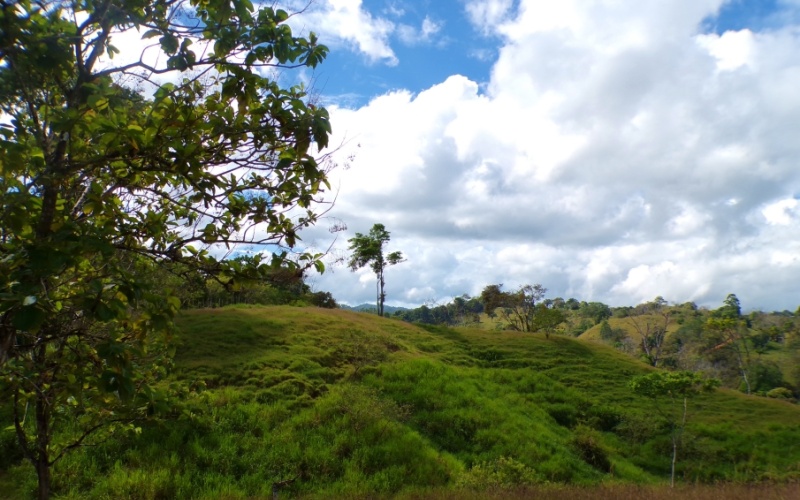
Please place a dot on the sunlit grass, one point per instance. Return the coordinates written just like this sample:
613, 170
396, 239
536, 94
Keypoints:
341, 404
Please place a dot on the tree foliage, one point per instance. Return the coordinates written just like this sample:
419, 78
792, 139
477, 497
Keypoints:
670, 393
726, 337
651, 320
368, 249
523, 309
111, 167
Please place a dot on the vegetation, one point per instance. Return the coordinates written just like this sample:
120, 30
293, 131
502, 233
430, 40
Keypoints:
759, 351
369, 250
107, 177
676, 388
332, 403
137, 196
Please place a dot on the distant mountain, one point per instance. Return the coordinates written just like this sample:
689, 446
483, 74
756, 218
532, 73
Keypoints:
388, 310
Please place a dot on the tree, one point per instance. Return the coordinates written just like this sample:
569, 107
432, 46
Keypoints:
492, 297
670, 393
369, 249
107, 174
727, 335
597, 311
517, 308
731, 309
547, 319
651, 322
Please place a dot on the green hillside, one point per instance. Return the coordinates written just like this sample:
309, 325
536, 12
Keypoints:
342, 404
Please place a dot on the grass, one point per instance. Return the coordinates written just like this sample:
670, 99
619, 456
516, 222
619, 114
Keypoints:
335, 404
632, 492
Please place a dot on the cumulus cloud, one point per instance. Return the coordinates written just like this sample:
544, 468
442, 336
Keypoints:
616, 154
347, 24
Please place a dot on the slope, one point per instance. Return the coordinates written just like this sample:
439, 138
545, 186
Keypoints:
336, 403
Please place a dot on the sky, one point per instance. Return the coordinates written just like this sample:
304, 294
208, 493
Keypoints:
610, 150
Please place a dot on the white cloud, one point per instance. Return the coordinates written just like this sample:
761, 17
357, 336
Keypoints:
487, 15
782, 212
733, 49
345, 23
617, 154
410, 35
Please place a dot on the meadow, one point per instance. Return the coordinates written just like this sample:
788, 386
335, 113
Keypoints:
325, 403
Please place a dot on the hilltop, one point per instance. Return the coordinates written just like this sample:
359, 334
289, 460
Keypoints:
332, 402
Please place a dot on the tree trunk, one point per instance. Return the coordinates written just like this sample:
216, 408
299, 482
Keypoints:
746, 381
674, 459
43, 474
381, 295
742, 369
41, 453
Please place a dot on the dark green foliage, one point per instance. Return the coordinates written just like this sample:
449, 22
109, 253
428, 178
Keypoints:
765, 376
611, 335
108, 175
596, 311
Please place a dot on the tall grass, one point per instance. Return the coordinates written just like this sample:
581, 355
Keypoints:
333, 404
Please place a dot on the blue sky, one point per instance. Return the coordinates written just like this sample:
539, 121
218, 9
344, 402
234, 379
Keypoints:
456, 47
459, 47
610, 151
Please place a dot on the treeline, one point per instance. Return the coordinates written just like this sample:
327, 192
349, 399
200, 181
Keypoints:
279, 284
757, 353
523, 309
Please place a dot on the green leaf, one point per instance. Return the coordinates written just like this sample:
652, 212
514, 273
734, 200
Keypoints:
29, 318
169, 43
150, 34
97, 102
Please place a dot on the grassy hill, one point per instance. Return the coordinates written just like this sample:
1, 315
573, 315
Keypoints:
335, 403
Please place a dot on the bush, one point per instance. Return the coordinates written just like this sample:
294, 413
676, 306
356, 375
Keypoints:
765, 376
589, 445
780, 393
503, 473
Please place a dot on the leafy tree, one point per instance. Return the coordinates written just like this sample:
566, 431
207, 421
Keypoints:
611, 335
670, 393
731, 308
492, 297
597, 311
728, 336
517, 308
107, 175
546, 319
651, 321
765, 376
369, 249
466, 310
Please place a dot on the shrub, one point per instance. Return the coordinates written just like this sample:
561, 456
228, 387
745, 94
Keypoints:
589, 445
780, 393
503, 472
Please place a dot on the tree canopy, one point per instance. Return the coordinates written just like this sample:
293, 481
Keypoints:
113, 167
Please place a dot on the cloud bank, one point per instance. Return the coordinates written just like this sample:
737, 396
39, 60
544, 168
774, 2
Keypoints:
616, 153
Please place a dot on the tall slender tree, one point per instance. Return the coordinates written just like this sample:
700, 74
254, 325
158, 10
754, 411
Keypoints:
670, 393
369, 249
